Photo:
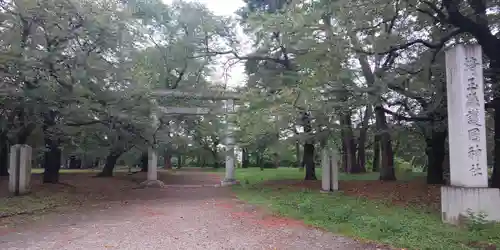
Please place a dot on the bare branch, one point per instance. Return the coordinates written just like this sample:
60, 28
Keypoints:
406, 118
434, 45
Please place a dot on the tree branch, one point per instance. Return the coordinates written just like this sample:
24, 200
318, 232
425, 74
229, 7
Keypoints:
432, 45
79, 124
406, 118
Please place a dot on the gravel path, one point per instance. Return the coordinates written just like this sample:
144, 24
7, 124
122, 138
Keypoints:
183, 218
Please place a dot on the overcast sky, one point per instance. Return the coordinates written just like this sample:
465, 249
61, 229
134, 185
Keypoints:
235, 75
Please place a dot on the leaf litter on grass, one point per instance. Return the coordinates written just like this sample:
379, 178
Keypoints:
75, 190
402, 214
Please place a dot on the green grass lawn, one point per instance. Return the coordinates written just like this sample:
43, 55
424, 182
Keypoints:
255, 175
361, 218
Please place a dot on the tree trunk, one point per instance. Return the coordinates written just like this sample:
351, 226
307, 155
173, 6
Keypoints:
96, 163
387, 172
24, 134
52, 157
144, 162
495, 178
276, 160
308, 157
435, 157
198, 161
52, 161
297, 155
245, 161
345, 160
110, 164
179, 161
214, 156
309, 161
361, 161
363, 134
215, 153
259, 160
4, 155
203, 161
348, 145
167, 157
73, 162
376, 154
79, 162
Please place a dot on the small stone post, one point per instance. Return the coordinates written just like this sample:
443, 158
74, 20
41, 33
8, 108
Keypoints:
152, 165
334, 164
329, 179
20, 169
469, 192
229, 178
326, 171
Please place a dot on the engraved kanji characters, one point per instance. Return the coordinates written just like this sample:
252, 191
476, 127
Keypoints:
473, 117
474, 134
471, 97
474, 152
471, 63
475, 169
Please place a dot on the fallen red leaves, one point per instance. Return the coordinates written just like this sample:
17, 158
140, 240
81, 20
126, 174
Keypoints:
257, 215
273, 221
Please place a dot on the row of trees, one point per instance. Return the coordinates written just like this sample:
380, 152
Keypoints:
77, 80
364, 76
367, 75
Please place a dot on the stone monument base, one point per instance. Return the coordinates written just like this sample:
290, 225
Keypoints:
323, 191
228, 182
152, 184
458, 202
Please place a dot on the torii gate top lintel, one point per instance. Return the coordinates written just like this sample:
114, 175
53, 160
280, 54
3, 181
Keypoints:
206, 94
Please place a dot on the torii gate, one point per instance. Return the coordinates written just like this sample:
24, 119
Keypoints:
227, 109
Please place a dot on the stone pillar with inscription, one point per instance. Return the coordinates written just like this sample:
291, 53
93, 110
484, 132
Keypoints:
469, 192
230, 157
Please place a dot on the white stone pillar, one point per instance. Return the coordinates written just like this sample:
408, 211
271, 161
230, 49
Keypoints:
466, 123
326, 171
469, 190
152, 175
230, 161
152, 165
20, 169
229, 177
329, 176
334, 173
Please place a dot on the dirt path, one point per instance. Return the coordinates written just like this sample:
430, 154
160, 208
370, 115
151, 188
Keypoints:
179, 217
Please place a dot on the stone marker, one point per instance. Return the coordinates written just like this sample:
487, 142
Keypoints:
330, 170
469, 190
20, 169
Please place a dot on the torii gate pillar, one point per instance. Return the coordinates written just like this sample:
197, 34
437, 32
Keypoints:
152, 180
230, 158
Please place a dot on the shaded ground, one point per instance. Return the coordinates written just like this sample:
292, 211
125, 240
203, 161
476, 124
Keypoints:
177, 217
415, 193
